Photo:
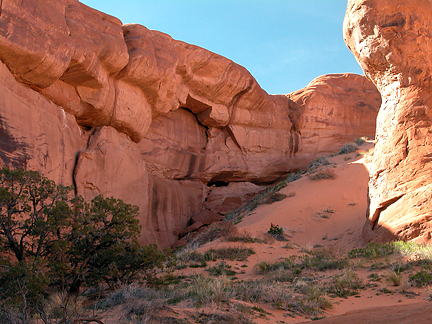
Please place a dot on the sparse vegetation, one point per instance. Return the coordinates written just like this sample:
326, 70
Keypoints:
394, 277
277, 232
237, 214
360, 141
348, 148
318, 163
346, 284
323, 174
303, 284
222, 268
275, 197
243, 236
421, 278
230, 253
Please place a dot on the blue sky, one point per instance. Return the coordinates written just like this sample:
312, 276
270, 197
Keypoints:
283, 43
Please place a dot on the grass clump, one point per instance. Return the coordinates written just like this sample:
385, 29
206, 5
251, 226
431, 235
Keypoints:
394, 277
244, 237
346, 284
205, 291
137, 301
313, 300
230, 253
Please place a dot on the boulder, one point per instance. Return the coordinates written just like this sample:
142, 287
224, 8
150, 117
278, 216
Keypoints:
391, 41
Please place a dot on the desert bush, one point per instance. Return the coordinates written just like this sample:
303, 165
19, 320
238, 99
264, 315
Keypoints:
318, 163
275, 197
232, 317
224, 228
348, 148
416, 250
264, 267
323, 174
277, 232
275, 229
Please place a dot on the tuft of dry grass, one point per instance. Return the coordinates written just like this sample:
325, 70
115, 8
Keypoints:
394, 277
323, 174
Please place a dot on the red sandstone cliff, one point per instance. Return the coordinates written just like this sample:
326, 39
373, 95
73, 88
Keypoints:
391, 41
124, 111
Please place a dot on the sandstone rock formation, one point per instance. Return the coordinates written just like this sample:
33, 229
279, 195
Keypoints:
391, 41
332, 109
124, 111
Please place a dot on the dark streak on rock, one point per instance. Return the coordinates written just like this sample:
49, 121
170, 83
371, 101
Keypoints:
13, 153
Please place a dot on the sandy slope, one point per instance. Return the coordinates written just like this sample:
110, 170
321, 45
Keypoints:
328, 212
342, 199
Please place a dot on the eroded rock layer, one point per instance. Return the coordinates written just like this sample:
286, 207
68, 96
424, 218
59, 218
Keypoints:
391, 39
124, 111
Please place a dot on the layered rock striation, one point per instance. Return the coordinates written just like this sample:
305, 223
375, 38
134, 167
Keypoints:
391, 39
124, 111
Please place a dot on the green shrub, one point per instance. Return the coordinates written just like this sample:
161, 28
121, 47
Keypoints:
421, 278
277, 232
275, 229
70, 243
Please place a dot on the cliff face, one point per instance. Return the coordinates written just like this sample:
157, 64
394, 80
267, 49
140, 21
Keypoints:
123, 111
391, 39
